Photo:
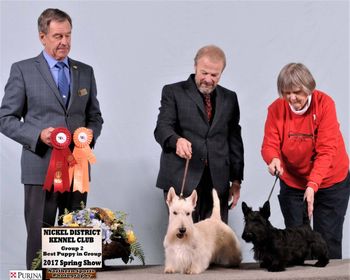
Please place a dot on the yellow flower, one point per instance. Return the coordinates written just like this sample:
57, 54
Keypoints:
74, 225
67, 219
130, 236
110, 214
114, 226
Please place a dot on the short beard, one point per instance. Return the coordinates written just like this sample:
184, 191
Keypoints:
205, 90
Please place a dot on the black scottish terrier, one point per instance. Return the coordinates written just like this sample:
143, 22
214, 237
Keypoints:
278, 248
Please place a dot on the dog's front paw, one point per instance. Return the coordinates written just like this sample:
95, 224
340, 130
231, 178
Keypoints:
169, 270
193, 271
322, 263
264, 265
276, 268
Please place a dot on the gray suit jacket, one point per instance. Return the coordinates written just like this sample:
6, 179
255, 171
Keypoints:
32, 102
182, 114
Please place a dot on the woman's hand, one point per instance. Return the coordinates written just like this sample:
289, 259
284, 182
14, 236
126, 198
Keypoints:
309, 196
275, 167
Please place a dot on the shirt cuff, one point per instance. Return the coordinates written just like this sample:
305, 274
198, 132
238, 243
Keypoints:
312, 185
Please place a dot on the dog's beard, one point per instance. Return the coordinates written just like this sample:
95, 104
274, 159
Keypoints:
248, 238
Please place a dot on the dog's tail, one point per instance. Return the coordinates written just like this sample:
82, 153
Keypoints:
216, 206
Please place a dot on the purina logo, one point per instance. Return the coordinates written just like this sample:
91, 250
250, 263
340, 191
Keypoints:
25, 274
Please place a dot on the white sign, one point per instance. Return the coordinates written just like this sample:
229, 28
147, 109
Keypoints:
71, 247
25, 274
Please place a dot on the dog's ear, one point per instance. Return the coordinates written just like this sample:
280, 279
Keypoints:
171, 195
193, 198
245, 208
265, 210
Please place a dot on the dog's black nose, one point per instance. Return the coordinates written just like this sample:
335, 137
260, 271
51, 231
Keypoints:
247, 236
181, 232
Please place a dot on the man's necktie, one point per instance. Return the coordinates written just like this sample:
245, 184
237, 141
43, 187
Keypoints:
63, 85
208, 107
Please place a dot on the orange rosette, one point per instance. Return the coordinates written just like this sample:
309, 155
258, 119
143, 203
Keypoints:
82, 153
61, 158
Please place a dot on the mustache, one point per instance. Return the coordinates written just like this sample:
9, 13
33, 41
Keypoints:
207, 84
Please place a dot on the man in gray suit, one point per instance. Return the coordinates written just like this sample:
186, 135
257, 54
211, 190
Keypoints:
199, 120
33, 105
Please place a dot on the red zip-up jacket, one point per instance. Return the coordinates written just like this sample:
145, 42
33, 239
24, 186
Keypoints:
310, 146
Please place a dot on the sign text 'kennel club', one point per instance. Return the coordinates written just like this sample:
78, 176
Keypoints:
71, 248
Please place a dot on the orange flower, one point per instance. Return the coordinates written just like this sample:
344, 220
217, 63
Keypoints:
130, 236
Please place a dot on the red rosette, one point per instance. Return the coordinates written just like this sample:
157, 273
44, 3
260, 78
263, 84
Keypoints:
60, 138
61, 158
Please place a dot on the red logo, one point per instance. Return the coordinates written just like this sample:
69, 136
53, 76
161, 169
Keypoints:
13, 275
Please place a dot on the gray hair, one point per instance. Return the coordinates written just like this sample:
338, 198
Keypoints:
49, 15
295, 75
212, 52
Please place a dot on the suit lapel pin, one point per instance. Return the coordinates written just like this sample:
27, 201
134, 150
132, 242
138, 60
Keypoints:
82, 92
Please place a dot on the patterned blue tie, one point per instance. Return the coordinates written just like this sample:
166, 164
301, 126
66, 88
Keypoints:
63, 85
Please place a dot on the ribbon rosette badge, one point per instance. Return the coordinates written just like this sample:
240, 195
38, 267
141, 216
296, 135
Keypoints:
61, 158
82, 153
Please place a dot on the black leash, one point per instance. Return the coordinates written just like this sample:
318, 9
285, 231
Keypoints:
277, 176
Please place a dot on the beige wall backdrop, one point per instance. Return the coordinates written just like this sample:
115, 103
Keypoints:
135, 48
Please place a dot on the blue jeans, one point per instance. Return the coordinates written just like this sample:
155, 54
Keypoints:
329, 212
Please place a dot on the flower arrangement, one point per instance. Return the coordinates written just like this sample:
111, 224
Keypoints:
118, 238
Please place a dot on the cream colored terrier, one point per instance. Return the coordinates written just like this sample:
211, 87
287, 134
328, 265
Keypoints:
190, 248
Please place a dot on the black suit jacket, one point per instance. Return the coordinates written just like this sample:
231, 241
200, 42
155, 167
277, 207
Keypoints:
182, 114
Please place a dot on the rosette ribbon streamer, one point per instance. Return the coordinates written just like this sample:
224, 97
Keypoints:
82, 153
61, 158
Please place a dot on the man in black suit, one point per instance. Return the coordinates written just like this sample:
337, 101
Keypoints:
199, 120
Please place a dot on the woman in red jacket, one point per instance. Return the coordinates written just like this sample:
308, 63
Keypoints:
304, 145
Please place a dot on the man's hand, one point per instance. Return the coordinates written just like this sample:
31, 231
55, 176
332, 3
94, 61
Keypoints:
45, 136
234, 193
275, 167
309, 196
183, 148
